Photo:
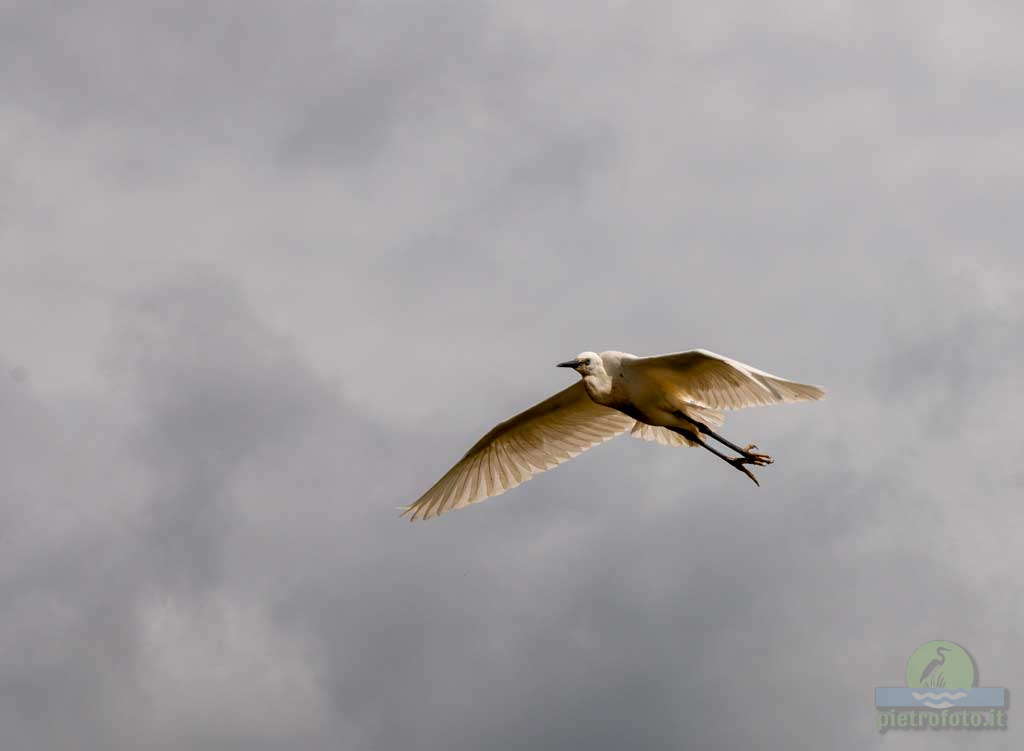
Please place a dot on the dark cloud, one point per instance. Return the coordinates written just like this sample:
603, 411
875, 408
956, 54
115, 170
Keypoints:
275, 267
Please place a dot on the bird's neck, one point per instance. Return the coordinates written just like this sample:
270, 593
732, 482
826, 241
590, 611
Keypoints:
598, 387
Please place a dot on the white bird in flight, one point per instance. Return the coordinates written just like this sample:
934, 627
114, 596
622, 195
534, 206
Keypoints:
672, 399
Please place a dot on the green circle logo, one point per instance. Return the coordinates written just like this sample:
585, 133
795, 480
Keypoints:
941, 664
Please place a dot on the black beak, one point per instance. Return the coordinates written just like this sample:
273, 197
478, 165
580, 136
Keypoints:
568, 364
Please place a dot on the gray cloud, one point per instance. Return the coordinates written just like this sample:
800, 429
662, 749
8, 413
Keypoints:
271, 271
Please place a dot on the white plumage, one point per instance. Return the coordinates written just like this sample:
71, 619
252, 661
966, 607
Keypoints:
672, 399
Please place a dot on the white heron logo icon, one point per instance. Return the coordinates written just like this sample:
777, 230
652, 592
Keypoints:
941, 691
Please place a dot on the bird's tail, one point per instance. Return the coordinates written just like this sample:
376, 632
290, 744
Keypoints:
705, 415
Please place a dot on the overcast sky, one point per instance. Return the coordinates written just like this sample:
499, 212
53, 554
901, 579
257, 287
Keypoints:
269, 268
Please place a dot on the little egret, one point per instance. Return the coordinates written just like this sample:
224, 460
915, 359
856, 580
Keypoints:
672, 399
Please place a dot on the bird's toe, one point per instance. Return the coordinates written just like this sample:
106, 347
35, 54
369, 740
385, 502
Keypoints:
752, 457
739, 463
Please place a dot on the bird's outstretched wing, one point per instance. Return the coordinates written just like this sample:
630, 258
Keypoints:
708, 380
538, 439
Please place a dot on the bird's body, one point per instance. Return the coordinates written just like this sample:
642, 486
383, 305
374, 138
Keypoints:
672, 399
615, 384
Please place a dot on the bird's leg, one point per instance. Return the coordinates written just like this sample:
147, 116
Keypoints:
748, 452
735, 461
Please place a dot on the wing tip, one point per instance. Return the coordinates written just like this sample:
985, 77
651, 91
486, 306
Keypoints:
799, 392
815, 392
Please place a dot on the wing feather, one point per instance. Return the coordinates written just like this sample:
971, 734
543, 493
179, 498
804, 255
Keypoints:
544, 436
714, 382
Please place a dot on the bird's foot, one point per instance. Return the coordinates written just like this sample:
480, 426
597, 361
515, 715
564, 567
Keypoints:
738, 463
751, 457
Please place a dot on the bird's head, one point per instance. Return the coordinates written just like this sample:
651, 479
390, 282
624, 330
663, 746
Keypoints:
585, 363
